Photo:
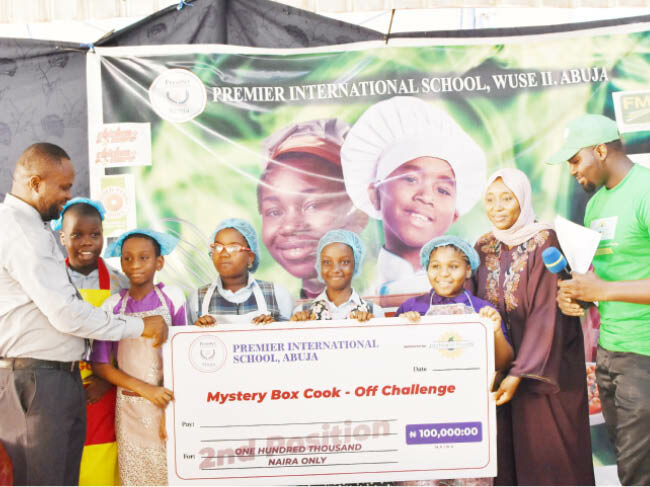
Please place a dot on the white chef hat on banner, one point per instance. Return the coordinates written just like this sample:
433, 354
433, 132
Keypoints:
403, 128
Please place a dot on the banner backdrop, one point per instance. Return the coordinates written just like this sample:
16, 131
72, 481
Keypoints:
394, 141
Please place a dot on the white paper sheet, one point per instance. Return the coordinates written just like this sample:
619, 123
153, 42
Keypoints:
578, 243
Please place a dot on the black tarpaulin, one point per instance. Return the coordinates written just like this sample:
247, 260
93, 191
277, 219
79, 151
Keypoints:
43, 83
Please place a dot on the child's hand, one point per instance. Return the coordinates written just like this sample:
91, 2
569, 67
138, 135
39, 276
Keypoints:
412, 316
303, 316
507, 389
157, 395
492, 315
205, 320
263, 319
95, 388
162, 431
361, 315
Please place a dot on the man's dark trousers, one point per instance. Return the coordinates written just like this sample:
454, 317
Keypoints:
624, 386
43, 424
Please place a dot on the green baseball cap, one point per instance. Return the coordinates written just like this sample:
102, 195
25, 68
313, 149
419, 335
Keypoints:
586, 131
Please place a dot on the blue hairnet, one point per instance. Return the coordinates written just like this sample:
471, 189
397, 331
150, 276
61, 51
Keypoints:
461, 244
58, 223
247, 231
167, 242
346, 237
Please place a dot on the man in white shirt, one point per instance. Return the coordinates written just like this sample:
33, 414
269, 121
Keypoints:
44, 327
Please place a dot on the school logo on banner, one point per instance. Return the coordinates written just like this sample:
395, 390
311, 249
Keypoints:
207, 353
177, 95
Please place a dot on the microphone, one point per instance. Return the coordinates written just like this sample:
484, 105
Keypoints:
556, 263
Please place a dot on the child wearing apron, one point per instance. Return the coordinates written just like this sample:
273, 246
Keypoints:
81, 232
449, 261
236, 296
141, 398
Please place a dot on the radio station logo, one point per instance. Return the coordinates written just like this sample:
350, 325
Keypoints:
178, 95
207, 353
451, 344
635, 108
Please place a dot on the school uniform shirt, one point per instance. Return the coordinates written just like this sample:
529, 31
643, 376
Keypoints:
422, 304
397, 276
104, 351
243, 300
41, 314
342, 311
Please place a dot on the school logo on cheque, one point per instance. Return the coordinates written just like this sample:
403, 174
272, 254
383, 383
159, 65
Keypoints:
207, 353
451, 344
178, 95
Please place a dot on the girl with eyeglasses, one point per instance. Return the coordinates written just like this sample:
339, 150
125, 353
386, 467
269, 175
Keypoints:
235, 296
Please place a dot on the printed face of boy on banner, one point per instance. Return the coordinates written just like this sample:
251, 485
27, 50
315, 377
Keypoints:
412, 166
301, 196
417, 202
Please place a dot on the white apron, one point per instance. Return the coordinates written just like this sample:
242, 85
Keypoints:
262, 308
141, 453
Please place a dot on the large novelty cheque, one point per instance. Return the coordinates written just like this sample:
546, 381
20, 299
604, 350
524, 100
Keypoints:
327, 402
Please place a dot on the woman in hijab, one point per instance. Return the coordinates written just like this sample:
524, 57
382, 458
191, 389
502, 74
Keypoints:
543, 430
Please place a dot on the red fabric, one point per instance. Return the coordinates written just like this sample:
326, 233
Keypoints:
6, 468
100, 419
104, 277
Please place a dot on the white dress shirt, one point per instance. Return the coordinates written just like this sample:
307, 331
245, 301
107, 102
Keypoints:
41, 315
397, 276
342, 311
282, 297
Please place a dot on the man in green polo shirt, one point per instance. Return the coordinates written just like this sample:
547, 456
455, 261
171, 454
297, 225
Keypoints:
620, 212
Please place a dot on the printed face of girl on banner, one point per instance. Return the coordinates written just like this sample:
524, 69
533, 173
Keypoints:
301, 196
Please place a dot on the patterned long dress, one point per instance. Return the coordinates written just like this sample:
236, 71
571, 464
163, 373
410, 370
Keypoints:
543, 434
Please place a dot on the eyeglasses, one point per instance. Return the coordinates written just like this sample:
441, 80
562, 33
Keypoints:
230, 248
